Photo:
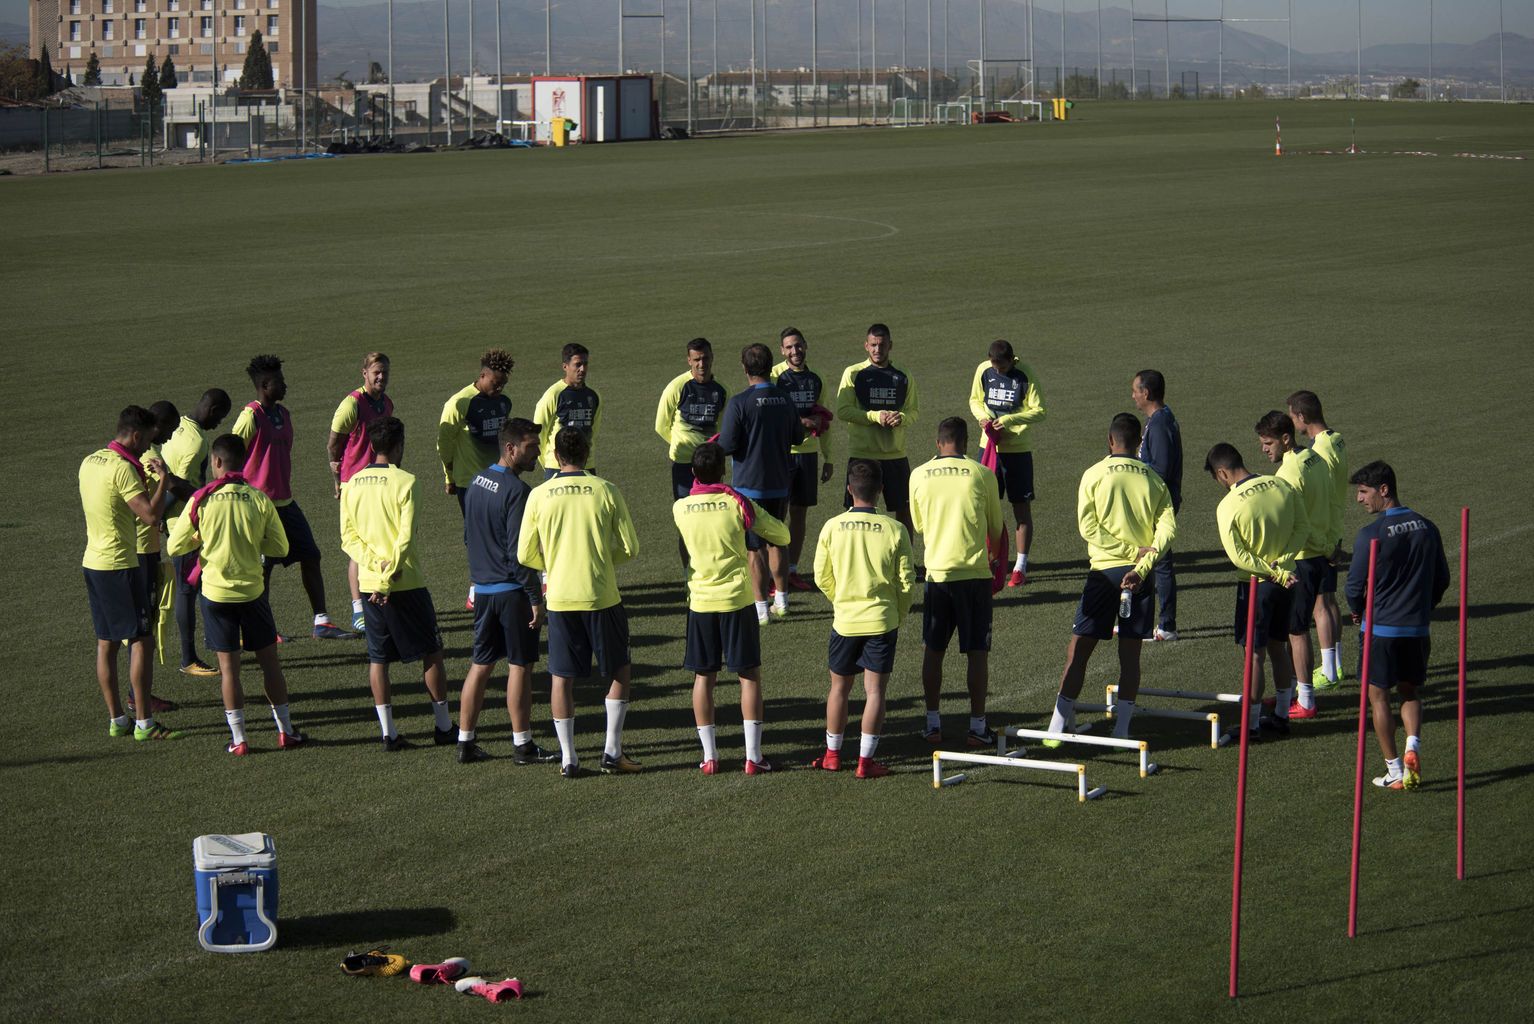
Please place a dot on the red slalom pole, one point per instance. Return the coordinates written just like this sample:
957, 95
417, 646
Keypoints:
1464, 609
1246, 703
1363, 720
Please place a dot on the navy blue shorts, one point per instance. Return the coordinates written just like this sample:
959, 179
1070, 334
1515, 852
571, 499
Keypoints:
1329, 580
1014, 475
1396, 659
804, 481
236, 625
895, 479
149, 579
1272, 613
849, 655
957, 605
503, 628
775, 507
1098, 611
462, 494
182, 564
403, 629
1309, 574
576, 638
119, 603
301, 546
681, 480
723, 638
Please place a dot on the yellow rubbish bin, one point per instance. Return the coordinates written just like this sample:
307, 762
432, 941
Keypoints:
560, 129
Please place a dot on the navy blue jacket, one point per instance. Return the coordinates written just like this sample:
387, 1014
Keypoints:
492, 521
760, 427
1161, 450
1410, 572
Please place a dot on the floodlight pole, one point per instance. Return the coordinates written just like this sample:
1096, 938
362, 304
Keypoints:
980, 88
470, 89
1062, 47
927, 112
303, 80
873, 52
1222, 47
905, 31
620, 35
689, 67
548, 37
500, 85
945, 37
447, 72
1166, 13
1033, 69
1100, 49
1501, 71
391, 70
1289, 66
753, 65
815, 61
766, 64
1359, 50
1134, 80
1430, 51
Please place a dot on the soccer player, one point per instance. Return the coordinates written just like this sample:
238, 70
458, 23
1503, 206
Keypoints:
508, 605
576, 528
957, 509
864, 567
1124, 513
378, 531
716, 523
148, 540
688, 414
1161, 450
348, 444
266, 427
878, 402
1305, 411
759, 429
569, 402
1006, 400
1410, 577
186, 456
114, 494
470, 430
1308, 474
812, 456
1262, 525
227, 529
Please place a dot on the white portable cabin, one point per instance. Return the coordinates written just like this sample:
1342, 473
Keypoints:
605, 108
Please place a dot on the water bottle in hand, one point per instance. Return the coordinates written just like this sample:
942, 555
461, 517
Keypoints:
1126, 602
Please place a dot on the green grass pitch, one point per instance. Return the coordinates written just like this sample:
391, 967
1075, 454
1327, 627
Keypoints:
1137, 235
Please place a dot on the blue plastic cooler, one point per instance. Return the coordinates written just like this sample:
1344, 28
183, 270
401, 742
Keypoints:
236, 892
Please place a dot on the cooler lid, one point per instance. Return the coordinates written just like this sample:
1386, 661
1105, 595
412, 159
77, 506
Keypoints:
246, 850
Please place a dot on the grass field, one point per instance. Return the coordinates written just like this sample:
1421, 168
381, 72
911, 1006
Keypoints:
1139, 235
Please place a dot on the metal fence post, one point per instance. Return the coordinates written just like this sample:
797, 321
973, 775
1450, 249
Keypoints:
97, 112
46, 164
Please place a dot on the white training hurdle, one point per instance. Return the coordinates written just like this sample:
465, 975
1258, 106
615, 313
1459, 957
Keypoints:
1151, 691
1147, 766
1211, 717
1083, 793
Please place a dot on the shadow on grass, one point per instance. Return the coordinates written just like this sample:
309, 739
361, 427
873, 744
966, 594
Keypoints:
356, 929
1475, 780
1392, 929
1403, 966
1450, 612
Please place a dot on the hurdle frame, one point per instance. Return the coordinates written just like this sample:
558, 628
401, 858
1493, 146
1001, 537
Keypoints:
1111, 695
1212, 717
1083, 791
1142, 747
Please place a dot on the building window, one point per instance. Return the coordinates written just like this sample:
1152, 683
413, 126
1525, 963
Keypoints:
271, 25
140, 50
205, 48
74, 51
239, 5
74, 31
272, 47
206, 28
106, 6
174, 50
139, 6
271, 5
138, 30
74, 6
173, 27
239, 47
239, 24
108, 29
109, 51
173, 5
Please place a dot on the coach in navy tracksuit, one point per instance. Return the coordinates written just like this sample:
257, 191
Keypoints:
760, 427
1410, 577
1161, 450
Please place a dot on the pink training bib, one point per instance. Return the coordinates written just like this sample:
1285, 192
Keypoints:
269, 461
359, 451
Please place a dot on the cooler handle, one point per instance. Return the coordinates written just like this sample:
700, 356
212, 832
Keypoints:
214, 881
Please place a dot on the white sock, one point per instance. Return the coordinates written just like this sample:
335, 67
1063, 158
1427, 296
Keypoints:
1336, 660
439, 712
282, 718
386, 720
144, 723
1065, 714
753, 741
357, 606
761, 611
519, 738
867, 744
934, 721
322, 619
780, 599
236, 720
1285, 702
1414, 743
465, 735
1329, 663
1307, 696
1254, 715
122, 720
977, 725
833, 741
564, 728
1021, 565
706, 737
1123, 711
617, 711
1393, 768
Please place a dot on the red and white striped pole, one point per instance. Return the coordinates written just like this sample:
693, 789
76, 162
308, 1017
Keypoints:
1363, 719
1464, 609
1246, 703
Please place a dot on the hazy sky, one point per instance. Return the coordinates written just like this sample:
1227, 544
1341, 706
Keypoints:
1319, 25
